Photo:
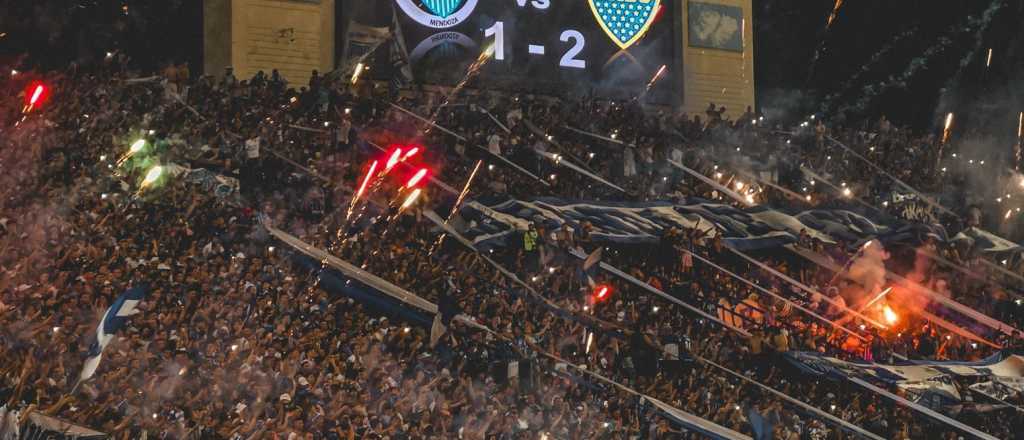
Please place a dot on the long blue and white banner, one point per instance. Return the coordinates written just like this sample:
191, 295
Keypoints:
929, 382
757, 227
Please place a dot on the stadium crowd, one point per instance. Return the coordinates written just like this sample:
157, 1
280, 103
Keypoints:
240, 337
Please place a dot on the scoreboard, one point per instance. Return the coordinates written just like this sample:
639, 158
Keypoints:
611, 48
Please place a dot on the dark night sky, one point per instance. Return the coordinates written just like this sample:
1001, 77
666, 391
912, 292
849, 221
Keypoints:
909, 50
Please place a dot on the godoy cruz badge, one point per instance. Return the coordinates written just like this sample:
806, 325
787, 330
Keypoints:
439, 14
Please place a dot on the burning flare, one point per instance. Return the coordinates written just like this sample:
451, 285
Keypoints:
890, 316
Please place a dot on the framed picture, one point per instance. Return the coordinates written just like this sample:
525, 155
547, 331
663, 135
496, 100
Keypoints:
715, 26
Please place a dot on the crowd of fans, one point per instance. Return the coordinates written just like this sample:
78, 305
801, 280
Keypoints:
242, 338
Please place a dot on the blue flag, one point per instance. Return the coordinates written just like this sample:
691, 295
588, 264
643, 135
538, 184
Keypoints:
113, 320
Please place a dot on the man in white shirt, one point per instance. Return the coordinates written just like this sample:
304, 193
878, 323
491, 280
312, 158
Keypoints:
494, 144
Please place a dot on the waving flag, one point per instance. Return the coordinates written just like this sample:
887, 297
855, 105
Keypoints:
113, 320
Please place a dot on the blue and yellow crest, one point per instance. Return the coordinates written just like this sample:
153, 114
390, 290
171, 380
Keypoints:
625, 21
442, 8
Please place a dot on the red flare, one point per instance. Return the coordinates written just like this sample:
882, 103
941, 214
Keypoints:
412, 152
602, 292
416, 178
35, 94
393, 160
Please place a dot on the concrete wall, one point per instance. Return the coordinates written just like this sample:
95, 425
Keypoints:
291, 36
714, 75
216, 36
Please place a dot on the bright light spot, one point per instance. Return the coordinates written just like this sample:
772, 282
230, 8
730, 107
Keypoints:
490, 167
137, 146
412, 198
56, 329
948, 337
592, 156
862, 326
153, 174
270, 249
718, 175
812, 117
739, 186
999, 199
394, 158
974, 345
103, 196
890, 316
348, 110
406, 330
552, 177
327, 124
182, 371
847, 192
103, 157
655, 309
14, 72
808, 197
885, 203
533, 278
551, 270
234, 347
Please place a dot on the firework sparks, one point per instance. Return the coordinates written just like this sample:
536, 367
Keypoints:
362, 188
833, 15
411, 199
947, 129
656, 77
458, 204
358, 71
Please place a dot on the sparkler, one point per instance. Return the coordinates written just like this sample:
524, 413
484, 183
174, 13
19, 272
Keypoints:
833, 15
656, 77
946, 130
362, 189
358, 71
37, 93
151, 176
416, 178
393, 160
410, 200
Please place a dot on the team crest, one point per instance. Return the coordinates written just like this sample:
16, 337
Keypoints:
625, 21
438, 14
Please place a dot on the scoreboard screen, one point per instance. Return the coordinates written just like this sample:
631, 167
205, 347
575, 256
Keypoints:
611, 48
